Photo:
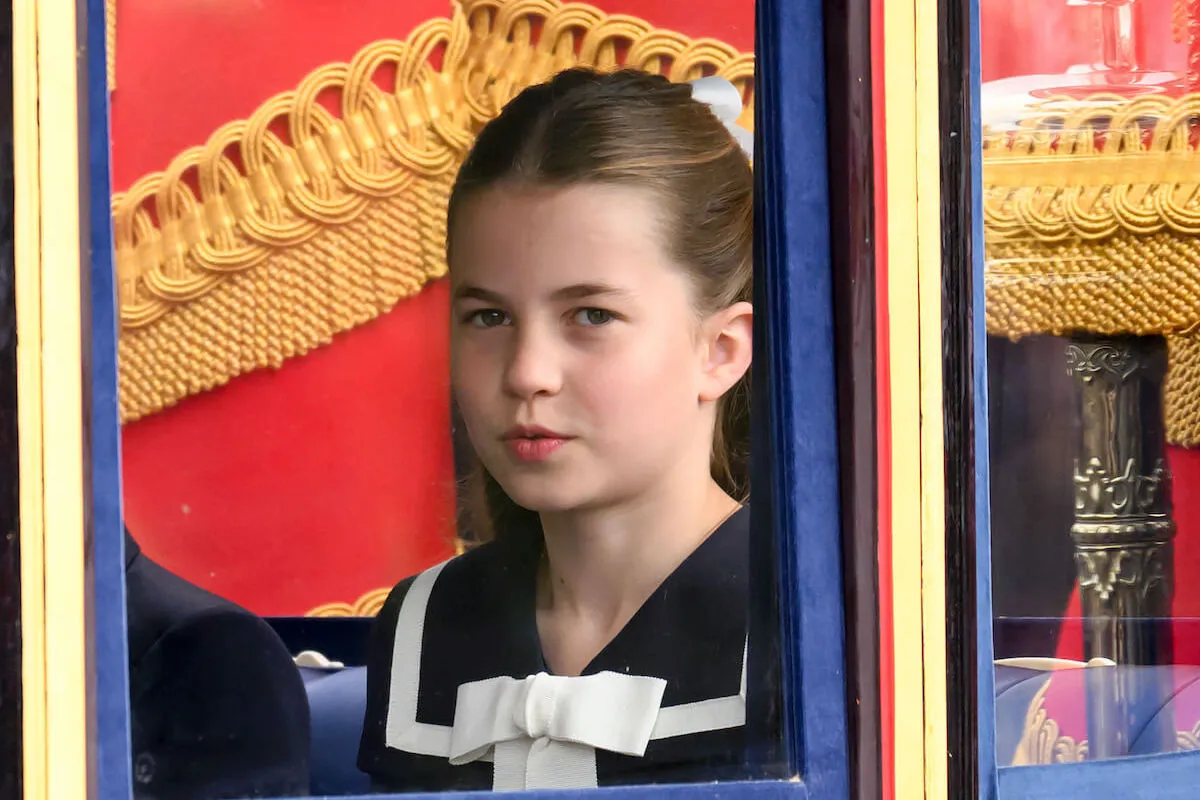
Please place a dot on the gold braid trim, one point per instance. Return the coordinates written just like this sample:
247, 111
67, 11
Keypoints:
259, 246
1087, 170
368, 605
1092, 223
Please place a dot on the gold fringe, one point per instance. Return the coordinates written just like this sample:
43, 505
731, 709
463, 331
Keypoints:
226, 265
1181, 398
1092, 222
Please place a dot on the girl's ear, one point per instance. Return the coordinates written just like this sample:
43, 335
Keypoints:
729, 346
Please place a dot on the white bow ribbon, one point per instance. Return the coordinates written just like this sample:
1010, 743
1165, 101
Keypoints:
543, 731
726, 103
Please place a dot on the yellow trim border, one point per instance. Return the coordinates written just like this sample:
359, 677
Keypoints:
57, 745
904, 393
932, 424
915, 358
27, 269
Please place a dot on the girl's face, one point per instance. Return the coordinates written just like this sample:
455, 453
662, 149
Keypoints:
583, 372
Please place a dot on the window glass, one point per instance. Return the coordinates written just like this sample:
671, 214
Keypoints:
397, 519
1090, 209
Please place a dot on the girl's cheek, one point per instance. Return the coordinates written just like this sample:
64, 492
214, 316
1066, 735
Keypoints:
468, 373
631, 385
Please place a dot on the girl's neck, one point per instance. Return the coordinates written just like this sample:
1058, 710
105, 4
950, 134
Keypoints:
601, 566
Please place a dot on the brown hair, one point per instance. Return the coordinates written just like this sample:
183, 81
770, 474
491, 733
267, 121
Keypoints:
636, 129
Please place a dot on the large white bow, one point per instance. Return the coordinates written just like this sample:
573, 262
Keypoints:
543, 731
726, 103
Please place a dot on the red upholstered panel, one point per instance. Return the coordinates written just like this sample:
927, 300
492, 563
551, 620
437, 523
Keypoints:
310, 484
332, 476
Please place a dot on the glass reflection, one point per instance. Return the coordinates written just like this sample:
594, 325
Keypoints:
290, 325
1090, 258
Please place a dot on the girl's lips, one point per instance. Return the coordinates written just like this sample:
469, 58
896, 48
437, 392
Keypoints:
532, 432
534, 449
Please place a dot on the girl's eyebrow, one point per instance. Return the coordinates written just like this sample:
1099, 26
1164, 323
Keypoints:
469, 292
578, 291
584, 290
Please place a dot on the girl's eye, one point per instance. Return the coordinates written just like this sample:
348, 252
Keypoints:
592, 317
487, 318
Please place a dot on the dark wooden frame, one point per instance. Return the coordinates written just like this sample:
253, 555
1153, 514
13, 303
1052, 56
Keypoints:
11, 755
963, 403
852, 243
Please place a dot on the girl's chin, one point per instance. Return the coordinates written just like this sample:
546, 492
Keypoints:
543, 496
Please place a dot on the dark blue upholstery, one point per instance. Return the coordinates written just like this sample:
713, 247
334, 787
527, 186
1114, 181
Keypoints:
341, 639
337, 701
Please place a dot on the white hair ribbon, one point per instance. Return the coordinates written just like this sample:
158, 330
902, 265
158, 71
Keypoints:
726, 102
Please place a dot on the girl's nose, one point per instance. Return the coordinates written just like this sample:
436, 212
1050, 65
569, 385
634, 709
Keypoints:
533, 367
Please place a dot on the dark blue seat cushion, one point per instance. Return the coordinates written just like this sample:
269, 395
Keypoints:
337, 701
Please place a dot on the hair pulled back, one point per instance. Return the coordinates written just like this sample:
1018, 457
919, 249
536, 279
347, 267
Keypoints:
635, 129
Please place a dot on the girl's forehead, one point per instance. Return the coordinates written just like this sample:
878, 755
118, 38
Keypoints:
516, 216
572, 234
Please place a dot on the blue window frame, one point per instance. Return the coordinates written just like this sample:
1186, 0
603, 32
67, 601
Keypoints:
796, 436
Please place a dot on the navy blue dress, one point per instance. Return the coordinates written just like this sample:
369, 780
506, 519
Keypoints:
218, 708
471, 623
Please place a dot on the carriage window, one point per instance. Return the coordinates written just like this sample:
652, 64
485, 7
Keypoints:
430, 462
1091, 255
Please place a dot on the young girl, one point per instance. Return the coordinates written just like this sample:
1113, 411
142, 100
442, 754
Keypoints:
599, 242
